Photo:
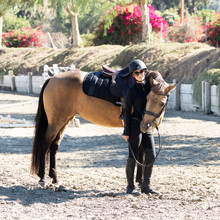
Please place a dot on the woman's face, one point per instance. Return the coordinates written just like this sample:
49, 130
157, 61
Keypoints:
139, 75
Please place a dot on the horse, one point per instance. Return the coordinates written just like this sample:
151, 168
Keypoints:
60, 99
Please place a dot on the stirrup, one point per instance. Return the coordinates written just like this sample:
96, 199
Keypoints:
121, 117
122, 114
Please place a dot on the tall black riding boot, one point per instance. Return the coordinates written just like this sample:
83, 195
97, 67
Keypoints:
130, 177
139, 175
145, 187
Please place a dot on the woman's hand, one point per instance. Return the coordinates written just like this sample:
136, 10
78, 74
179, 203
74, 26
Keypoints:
126, 137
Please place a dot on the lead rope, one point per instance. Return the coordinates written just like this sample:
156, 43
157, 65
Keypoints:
160, 147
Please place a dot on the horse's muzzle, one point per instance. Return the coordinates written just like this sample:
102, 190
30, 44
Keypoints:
145, 127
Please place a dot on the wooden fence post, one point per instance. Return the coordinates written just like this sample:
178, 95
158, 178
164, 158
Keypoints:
12, 80
45, 73
207, 98
29, 82
176, 96
203, 96
55, 69
73, 67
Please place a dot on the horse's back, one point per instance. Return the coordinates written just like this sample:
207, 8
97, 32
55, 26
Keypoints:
64, 97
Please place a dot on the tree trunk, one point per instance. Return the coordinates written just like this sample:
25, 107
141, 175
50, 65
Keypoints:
1, 26
75, 27
145, 20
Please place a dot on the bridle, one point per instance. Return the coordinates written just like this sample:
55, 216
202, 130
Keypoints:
162, 110
157, 116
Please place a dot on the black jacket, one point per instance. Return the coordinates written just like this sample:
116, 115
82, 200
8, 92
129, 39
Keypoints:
136, 98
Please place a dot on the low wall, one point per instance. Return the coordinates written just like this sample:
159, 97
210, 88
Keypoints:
215, 100
186, 99
6, 81
181, 98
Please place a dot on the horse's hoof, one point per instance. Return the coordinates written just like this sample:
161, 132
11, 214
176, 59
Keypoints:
43, 184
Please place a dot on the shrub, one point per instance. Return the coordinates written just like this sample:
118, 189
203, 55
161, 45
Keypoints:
13, 22
213, 33
24, 37
190, 30
211, 15
127, 25
170, 17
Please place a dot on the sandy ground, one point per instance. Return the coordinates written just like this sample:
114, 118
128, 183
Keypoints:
91, 165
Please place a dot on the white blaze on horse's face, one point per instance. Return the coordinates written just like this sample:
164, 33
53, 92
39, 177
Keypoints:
156, 100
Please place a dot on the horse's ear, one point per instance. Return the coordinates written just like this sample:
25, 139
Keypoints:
153, 82
171, 87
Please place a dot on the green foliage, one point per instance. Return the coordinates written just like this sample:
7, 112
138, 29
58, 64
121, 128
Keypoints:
60, 23
207, 13
212, 76
89, 21
6, 5
170, 15
189, 30
12, 22
87, 40
2, 73
162, 5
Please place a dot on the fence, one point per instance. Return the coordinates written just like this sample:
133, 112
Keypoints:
181, 98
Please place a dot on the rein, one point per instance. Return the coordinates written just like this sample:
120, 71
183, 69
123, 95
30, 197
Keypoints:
160, 147
155, 123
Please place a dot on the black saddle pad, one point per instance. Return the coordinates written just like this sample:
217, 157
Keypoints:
96, 85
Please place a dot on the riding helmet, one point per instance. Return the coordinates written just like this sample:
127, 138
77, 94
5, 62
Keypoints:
137, 65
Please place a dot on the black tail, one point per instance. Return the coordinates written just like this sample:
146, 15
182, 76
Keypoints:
40, 129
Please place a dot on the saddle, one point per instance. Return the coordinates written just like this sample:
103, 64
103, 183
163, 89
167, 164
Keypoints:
110, 85
121, 80
109, 72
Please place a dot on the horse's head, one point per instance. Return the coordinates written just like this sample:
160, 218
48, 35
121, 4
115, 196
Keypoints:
157, 101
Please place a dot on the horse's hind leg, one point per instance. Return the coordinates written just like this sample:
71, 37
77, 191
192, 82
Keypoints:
49, 137
53, 150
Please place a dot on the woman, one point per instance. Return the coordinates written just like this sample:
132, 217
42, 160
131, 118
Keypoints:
135, 103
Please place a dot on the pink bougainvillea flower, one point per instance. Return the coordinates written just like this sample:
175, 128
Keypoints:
22, 37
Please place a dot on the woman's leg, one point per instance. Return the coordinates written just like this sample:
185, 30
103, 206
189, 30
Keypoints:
149, 148
133, 143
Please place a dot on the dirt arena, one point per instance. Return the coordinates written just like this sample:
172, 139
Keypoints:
91, 165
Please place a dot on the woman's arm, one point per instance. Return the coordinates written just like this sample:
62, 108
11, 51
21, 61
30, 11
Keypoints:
128, 109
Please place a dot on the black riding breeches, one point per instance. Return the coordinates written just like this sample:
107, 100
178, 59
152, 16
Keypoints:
137, 138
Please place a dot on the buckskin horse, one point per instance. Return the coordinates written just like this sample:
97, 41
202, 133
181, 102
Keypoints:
62, 97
